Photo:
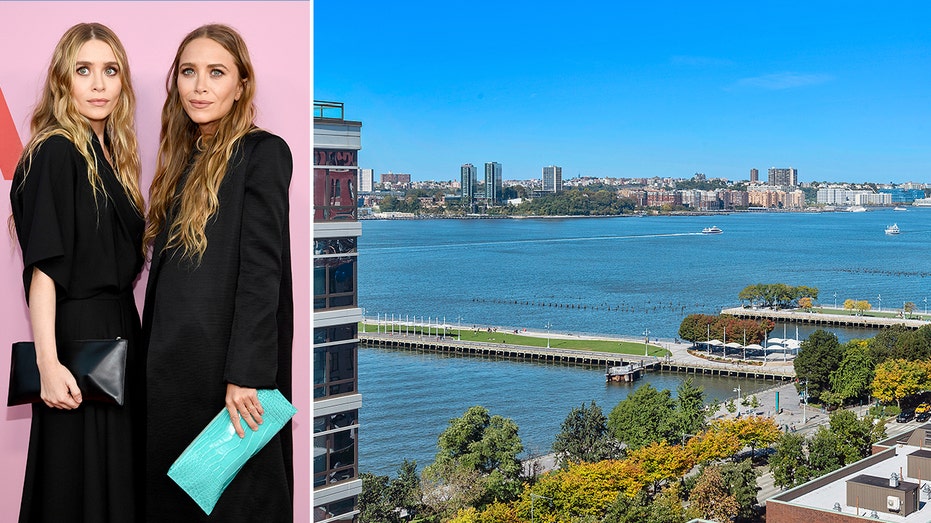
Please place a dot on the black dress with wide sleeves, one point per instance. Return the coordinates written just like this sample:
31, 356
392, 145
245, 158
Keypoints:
228, 319
83, 465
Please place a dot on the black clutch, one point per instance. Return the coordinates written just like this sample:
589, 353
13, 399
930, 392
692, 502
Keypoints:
99, 366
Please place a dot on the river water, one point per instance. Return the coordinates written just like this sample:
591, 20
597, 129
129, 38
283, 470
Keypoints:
612, 276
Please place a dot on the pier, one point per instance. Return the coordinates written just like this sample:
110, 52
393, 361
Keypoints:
816, 318
680, 361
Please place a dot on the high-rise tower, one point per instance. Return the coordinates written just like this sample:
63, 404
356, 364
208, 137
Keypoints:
337, 401
552, 179
493, 182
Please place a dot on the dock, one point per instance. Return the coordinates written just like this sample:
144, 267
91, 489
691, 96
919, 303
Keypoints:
680, 362
816, 318
625, 373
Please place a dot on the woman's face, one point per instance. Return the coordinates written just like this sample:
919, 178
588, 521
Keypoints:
95, 83
208, 83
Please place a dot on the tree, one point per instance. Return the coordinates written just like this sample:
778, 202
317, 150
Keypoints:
643, 418
702, 327
713, 444
824, 452
629, 509
740, 479
374, 503
661, 461
908, 308
484, 444
584, 437
898, 341
805, 303
690, 408
855, 435
854, 374
667, 507
405, 490
850, 305
778, 294
750, 431
818, 357
788, 464
897, 379
384, 500
710, 498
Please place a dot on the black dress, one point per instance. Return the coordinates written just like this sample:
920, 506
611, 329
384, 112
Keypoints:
227, 320
83, 464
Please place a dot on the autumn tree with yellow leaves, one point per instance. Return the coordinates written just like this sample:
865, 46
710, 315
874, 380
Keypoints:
897, 379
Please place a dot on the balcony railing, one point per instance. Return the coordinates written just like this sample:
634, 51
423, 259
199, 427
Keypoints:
328, 110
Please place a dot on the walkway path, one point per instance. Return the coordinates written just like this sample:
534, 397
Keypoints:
679, 352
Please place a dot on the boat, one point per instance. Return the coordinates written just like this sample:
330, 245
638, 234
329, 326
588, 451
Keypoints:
899, 208
711, 230
922, 202
856, 208
893, 229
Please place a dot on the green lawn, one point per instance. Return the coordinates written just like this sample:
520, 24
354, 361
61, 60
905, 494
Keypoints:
874, 314
610, 346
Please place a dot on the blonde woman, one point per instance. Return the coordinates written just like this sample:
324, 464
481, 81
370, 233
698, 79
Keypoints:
78, 216
218, 311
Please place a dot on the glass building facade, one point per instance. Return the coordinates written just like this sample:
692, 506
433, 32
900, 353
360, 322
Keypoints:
337, 401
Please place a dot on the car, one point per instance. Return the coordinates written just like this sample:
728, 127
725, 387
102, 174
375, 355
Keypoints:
905, 416
921, 409
923, 416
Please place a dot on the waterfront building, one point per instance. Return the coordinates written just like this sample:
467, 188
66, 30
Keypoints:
661, 198
469, 182
337, 401
872, 198
783, 176
886, 486
902, 195
832, 195
552, 179
396, 179
754, 175
493, 183
732, 199
774, 197
846, 197
366, 180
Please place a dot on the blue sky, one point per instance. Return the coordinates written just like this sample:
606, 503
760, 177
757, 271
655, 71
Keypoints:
838, 90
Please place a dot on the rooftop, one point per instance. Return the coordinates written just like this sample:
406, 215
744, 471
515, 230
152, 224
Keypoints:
823, 493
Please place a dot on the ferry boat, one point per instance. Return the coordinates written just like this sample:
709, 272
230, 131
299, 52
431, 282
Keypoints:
893, 229
711, 230
899, 208
922, 202
856, 208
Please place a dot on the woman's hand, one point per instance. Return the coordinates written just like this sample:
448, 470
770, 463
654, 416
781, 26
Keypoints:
243, 401
59, 388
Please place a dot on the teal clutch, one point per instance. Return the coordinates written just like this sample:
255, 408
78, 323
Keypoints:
216, 455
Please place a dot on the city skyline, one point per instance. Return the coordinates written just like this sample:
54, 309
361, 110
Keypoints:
666, 89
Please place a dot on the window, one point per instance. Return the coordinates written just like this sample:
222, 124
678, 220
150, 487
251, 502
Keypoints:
334, 282
342, 511
347, 331
335, 194
335, 370
335, 448
345, 245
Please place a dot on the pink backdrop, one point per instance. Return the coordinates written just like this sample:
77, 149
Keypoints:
278, 35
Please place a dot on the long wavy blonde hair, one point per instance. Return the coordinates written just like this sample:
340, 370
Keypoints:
198, 202
56, 113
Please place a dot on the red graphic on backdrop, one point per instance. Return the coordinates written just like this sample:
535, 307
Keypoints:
10, 144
